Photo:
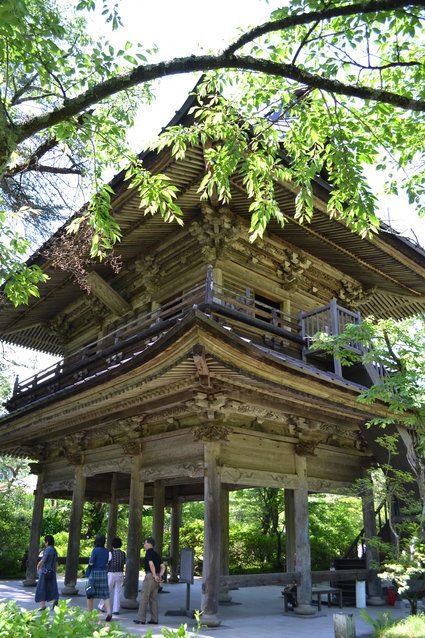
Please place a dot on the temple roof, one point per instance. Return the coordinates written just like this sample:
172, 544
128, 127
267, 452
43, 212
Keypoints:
389, 268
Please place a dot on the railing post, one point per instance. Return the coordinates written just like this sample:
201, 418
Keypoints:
16, 385
301, 332
209, 287
335, 331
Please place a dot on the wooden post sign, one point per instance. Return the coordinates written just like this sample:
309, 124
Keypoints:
186, 576
186, 566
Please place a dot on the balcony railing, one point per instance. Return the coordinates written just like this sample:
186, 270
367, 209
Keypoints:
236, 311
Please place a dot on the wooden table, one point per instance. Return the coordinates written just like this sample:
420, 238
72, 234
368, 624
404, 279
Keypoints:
318, 591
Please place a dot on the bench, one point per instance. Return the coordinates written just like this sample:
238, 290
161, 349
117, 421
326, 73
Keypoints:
316, 591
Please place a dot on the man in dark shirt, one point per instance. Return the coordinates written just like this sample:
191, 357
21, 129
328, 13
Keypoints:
154, 568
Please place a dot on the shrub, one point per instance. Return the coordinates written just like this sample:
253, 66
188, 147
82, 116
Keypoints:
15, 526
410, 627
66, 622
250, 550
380, 624
192, 535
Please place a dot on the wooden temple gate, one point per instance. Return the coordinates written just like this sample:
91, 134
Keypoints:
188, 375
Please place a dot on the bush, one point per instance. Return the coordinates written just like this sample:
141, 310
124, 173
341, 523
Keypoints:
410, 627
15, 526
382, 623
250, 550
192, 535
65, 621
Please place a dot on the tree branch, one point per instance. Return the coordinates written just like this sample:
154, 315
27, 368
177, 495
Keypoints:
58, 170
32, 162
189, 64
326, 14
24, 88
394, 357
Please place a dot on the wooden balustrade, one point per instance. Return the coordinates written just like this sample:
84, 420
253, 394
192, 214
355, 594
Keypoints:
236, 310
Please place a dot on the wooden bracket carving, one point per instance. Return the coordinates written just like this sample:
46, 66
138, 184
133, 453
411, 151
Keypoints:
201, 364
305, 448
217, 229
211, 431
132, 448
352, 294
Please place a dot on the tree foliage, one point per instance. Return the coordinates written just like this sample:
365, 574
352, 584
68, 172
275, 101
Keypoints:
320, 89
15, 526
397, 349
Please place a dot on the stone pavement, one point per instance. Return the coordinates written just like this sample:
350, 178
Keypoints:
253, 613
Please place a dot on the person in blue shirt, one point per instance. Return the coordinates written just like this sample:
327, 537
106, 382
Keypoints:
47, 586
98, 575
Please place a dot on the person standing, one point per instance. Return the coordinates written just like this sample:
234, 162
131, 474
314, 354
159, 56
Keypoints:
154, 568
116, 562
98, 576
47, 586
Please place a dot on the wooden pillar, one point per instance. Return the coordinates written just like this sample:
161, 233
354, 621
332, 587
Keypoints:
74, 534
372, 555
224, 596
302, 539
134, 534
290, 530
176, 515
212, 528
158, 515
36, 523
113, 513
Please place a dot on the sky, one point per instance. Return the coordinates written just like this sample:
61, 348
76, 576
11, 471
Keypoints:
179, 28
184, 27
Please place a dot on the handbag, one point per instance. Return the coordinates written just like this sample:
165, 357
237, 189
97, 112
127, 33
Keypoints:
90, 591
48, 574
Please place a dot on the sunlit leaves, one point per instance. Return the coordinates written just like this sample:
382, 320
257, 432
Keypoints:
265, 130
156, 194
20, 282
399, 347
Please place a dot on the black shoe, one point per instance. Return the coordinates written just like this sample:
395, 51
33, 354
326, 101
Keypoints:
115, 613
139, 622
153, 622
108, 618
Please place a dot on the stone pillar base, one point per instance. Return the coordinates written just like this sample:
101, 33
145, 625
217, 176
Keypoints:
69, 590
305, 610
375, 601
224, 596
210, 620
129, 603
29, 582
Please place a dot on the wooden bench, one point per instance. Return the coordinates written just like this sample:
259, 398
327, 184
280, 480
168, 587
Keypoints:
316, 591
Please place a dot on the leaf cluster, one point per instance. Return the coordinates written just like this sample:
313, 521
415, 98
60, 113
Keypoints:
321, 91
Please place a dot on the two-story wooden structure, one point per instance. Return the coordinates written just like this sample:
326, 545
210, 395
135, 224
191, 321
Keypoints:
187, 374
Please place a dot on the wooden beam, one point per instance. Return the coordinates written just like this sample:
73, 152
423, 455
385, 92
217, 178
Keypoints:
107, 295
262, 478
284, 578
